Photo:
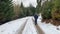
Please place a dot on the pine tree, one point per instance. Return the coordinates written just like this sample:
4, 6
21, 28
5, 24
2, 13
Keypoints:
38, 7
6, 10
46, 9
26, 11
21, 11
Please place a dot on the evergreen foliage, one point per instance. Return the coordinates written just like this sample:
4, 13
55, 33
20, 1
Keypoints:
56, 10
38, 7
26, 11
6, 11
46, 10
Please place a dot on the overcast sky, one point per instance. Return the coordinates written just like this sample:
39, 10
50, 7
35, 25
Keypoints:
26, 3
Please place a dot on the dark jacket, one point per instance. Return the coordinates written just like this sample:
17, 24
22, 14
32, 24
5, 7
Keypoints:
35, 16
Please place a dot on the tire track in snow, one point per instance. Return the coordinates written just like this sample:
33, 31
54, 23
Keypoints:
30, 27
21, 28
39, 30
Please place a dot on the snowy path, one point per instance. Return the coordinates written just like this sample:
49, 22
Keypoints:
19, 31
26, 26
39, 30
19, 26
29, 28
35, 29
13, 26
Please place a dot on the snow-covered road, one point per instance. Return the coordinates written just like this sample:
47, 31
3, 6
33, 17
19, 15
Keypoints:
29, 28
12, 27
19, 26
26, 26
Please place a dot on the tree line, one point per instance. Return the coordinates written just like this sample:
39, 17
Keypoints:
49, 9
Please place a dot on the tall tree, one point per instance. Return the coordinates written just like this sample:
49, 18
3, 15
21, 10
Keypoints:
56, 10
22, 12
38, 7
46, 9
6, 10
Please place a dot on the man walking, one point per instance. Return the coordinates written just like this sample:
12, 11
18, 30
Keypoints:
35, 17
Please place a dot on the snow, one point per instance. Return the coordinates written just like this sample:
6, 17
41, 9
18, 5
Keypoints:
14, 27
48, 28
30, 28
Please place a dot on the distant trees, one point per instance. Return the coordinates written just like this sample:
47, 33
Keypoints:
6, 10
26, 11
49, 9
16, 10
38, 7
9, 11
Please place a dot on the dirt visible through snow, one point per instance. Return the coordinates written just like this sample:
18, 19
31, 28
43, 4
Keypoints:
39, 30
54, 22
